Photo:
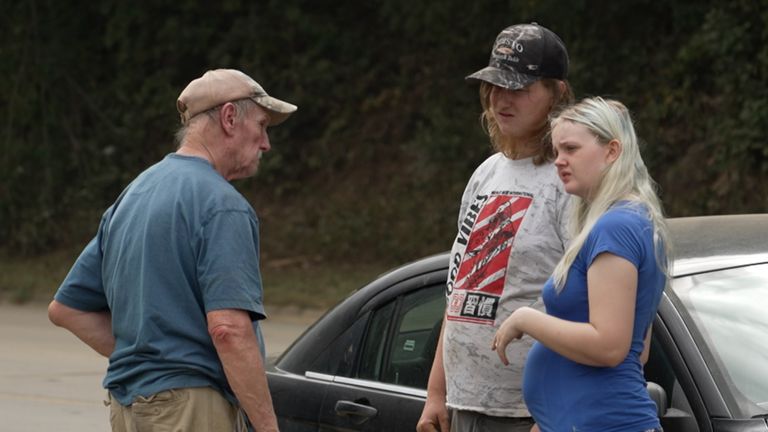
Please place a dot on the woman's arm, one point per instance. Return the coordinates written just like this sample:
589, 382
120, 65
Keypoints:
603, 341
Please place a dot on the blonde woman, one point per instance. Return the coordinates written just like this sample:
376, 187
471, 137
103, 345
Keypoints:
585, 370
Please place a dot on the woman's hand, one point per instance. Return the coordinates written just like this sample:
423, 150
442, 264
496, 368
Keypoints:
507, 332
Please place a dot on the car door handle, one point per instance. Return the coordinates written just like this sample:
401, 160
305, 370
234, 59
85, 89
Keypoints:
347, 408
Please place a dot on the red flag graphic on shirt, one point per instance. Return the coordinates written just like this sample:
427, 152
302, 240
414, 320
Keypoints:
480, 279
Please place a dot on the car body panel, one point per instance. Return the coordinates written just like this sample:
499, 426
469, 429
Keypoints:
319, 383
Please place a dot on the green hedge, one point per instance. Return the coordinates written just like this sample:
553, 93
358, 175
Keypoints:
373, 164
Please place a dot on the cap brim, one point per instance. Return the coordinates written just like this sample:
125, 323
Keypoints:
278, 110
508, 79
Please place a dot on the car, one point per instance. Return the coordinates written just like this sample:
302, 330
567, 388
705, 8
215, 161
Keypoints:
364, 365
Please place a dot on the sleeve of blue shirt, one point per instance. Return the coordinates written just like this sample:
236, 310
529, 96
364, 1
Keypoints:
82, 289
619, 232
228, 263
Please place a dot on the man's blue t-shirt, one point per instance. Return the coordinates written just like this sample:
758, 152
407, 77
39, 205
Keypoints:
179, 242
565, 396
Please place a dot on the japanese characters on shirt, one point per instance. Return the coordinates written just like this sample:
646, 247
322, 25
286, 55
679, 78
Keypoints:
488, 233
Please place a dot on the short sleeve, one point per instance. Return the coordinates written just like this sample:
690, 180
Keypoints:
228, 263
619, 233
83, 287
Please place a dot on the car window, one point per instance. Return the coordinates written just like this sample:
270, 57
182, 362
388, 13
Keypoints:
338, 358
402, 337
673, 405
375, 343
728, 310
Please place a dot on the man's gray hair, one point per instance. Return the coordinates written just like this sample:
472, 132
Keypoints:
242, 107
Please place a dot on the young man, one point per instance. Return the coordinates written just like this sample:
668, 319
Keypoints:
511, 233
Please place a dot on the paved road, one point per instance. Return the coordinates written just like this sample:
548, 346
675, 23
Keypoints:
49, 380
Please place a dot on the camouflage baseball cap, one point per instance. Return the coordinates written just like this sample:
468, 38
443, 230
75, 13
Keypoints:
219, 86
522, 55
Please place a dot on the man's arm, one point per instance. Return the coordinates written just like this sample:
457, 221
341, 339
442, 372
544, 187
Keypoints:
235, 342
434, 417
93, 328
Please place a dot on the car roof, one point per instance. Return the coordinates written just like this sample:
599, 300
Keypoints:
700, 244
707, 243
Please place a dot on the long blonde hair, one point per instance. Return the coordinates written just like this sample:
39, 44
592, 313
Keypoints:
626, 179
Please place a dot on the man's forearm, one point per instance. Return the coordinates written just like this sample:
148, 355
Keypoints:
93, 328
238, 350
245, 374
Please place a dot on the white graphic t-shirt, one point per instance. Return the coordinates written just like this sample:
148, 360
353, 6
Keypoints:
512, 233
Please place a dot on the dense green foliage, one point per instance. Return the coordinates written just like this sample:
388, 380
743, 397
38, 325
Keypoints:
373, 164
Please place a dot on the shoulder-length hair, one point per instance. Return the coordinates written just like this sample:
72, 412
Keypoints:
510, 148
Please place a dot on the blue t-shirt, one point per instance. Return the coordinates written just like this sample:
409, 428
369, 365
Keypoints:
179, 242
565, 396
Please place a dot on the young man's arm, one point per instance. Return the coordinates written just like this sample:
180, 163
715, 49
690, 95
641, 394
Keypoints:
434, 417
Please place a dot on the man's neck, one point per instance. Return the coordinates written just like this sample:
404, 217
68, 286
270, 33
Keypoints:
199, 149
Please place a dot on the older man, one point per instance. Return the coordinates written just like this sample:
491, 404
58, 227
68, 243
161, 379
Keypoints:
170, 288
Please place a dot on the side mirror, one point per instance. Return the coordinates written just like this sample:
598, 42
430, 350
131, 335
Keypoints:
659, 396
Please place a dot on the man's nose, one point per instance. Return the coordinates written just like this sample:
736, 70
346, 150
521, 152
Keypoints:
266, 146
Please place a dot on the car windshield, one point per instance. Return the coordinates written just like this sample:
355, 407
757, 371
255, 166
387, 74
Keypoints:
728, 308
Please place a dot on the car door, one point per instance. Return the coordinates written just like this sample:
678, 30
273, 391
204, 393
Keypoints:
385, 391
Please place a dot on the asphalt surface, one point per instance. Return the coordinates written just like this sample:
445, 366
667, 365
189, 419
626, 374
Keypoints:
49, 380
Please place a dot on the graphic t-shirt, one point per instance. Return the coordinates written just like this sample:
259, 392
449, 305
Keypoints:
511, 234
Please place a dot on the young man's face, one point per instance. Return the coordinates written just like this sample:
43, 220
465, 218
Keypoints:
521, 113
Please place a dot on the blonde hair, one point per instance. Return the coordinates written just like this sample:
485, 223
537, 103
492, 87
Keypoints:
509, 148
626, 179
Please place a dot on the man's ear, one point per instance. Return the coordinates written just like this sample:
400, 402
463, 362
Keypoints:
228, 117
561, 87
614, 150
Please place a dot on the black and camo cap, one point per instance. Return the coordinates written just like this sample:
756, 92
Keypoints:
522, 55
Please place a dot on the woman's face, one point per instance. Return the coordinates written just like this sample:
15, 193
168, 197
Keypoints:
521, 113
581, 158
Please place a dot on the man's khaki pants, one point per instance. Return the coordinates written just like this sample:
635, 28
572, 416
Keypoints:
177, 410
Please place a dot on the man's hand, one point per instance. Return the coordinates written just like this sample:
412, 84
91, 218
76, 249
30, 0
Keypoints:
434, 418
232, 333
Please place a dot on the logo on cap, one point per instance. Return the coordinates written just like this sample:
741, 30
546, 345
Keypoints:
523, 54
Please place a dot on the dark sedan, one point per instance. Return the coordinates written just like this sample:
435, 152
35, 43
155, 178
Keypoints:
364, 365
